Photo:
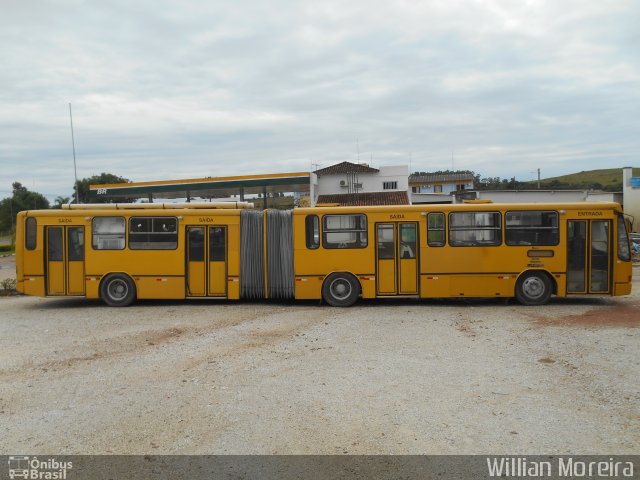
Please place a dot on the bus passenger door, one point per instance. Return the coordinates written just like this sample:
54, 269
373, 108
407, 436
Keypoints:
396, 258
55, 261
75, 260
196, 271
408, 262
588, 256
65, 260
217, 261
386, 259
207, 261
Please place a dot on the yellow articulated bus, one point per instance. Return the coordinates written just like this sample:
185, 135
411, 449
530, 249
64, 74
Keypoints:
123, 252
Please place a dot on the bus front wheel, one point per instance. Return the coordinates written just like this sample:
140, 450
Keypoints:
340, 290
533, 288
117, 290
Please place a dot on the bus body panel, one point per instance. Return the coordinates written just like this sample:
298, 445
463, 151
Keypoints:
410, 265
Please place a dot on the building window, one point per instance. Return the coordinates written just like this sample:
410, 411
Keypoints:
30, 235
344, 231
479, 229
532, 228
389, 185
460, 187
435, 229
437, 189
108, 233
153, 233
312, 231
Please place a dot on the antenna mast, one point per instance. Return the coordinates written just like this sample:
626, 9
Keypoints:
73, 144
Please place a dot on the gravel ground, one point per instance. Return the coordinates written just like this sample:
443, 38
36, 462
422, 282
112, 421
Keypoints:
7, 266
404, 377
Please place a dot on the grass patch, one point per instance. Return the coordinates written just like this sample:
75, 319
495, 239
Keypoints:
607, 177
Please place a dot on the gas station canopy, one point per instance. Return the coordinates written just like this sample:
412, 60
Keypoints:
215, 187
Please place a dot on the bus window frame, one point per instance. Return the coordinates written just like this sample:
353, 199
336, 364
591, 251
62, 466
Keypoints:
325, 231
93, 234
443, 230
152, 218
622, 223
498, 229
311, 224
556, 228
27, 243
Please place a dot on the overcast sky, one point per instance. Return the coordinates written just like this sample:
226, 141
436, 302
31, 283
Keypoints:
164, 90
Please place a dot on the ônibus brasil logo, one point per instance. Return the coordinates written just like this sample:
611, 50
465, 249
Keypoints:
33, 468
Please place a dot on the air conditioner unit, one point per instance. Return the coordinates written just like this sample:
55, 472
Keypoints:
343, 183
357, 185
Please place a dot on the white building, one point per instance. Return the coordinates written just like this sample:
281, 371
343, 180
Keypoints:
349, 183
540, 196
631, 191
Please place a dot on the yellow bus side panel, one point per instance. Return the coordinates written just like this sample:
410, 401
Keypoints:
233, 288
92, 287
160, 287
308, 288
55, 278
622, 289
34, 286
386, 277
217, 279
437, 286
76, 278
482, 286
368, 285
408, 279
196, 280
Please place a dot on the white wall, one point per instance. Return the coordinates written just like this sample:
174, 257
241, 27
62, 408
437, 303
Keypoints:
533, 196
371, 182
447, 188
631, 198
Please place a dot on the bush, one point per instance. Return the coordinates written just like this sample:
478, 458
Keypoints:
6, 248
8, 286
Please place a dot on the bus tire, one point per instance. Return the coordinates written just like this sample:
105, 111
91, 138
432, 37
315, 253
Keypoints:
533, 288
341, 290
117, 290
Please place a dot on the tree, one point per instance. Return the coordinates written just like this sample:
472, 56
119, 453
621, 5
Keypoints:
21, 199
102, 179
59, 201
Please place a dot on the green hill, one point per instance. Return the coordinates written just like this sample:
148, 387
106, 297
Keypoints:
609, 179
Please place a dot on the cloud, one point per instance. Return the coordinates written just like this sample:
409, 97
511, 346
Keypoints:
163, 90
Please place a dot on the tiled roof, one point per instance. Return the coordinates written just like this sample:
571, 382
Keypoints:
346, 167
363, 199
440, 178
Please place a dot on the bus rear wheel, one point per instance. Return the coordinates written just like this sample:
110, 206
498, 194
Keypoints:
117, 290
340, 290
533, 288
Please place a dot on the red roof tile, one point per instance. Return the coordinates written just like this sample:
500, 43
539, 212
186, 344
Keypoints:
346, 167
364, 199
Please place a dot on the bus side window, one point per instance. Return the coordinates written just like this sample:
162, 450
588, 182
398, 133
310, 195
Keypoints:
107, 233
31, 232
312, 231
344, 231
435, 229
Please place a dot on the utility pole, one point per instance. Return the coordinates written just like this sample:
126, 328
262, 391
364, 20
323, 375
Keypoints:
73, 144
538, 179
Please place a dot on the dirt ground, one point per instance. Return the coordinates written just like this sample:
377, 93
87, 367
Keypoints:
402, 377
